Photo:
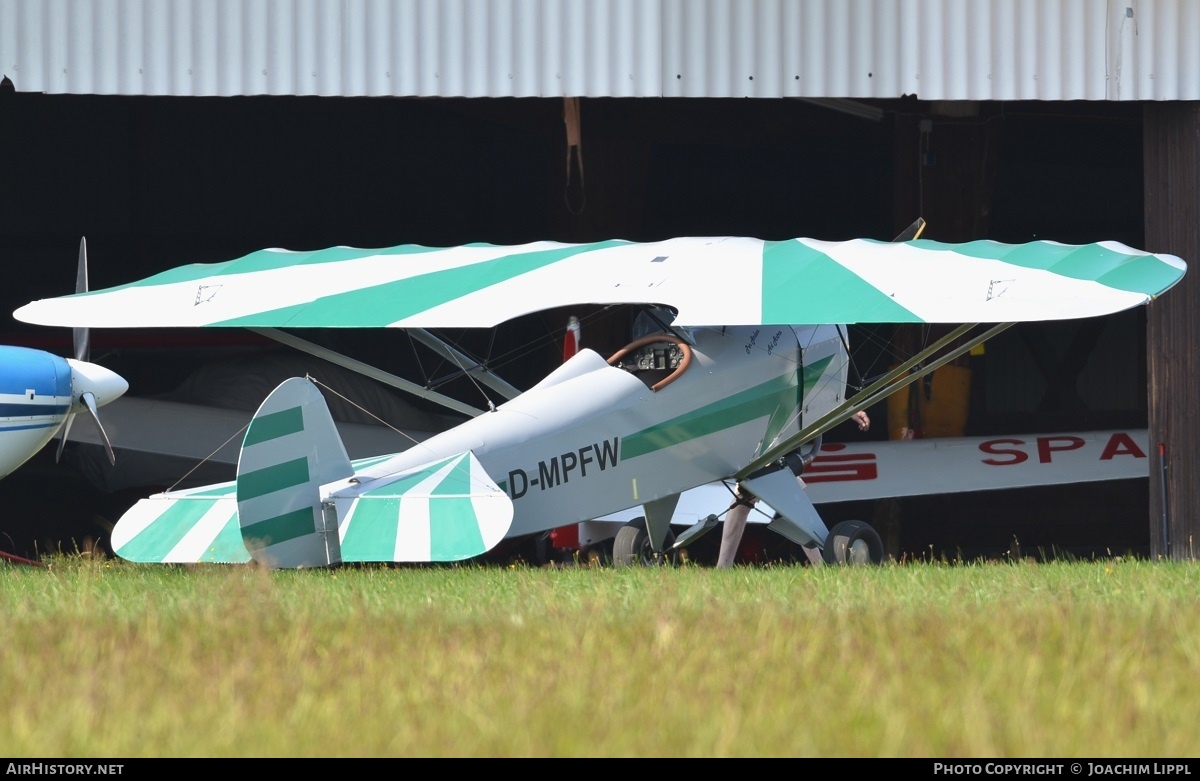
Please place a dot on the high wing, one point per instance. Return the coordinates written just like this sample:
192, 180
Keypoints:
720, 289
706, 280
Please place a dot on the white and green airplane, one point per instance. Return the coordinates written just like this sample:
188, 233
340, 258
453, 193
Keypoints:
736, 384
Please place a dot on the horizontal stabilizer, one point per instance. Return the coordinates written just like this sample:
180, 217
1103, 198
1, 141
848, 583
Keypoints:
300, 503
183, 527
194, 526
446, 511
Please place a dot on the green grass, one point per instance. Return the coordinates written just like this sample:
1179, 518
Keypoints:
103, 658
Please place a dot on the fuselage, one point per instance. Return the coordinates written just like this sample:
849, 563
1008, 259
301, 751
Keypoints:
592, 439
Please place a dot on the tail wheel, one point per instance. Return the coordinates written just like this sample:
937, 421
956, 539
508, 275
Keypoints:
631, 547
809, 451
854, 543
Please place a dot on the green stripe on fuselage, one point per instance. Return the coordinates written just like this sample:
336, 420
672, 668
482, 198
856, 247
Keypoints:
775, 399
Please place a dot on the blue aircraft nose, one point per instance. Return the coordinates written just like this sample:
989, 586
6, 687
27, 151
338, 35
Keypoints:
105, 385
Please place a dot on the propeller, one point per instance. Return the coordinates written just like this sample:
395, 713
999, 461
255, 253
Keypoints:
92, 386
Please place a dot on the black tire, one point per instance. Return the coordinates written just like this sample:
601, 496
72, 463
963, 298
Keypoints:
631, 547
853, 543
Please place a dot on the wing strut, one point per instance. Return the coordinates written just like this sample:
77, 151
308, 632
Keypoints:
898, 378
367, 370
470, 366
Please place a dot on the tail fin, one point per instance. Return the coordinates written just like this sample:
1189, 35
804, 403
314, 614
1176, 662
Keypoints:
290, 450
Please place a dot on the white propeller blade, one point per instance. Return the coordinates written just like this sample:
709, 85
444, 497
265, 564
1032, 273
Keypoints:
90, 400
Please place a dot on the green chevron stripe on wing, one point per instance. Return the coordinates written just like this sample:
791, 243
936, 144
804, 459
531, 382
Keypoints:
447, 511
801, 284
380, 305
260, 261
1131, 271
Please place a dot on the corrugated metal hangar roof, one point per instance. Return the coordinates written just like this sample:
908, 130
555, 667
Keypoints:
933, 49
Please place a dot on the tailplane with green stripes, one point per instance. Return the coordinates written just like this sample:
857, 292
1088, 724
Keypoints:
300, 503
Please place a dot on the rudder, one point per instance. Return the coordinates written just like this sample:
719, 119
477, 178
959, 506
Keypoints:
291, 448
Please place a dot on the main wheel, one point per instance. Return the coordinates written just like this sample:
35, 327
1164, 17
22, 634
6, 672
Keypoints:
853, 542
631, 546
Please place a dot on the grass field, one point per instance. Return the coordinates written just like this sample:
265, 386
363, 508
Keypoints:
1096, 659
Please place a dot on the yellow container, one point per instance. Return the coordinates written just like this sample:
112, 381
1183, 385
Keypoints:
934, 406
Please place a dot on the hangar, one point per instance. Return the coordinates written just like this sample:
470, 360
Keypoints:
191, 131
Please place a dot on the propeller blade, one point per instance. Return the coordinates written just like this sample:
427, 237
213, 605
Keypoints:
92, 386
62, 433
90, 400
83, 339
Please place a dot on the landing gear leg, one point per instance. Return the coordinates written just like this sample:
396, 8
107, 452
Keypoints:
731, 533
